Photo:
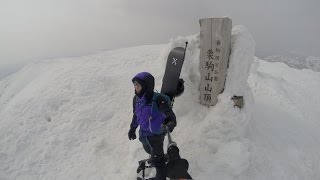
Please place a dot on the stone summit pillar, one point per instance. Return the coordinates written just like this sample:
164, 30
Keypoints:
215, 48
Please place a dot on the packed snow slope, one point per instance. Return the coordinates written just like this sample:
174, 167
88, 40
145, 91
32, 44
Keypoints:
68, 118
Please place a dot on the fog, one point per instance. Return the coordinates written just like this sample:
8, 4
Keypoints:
46, 29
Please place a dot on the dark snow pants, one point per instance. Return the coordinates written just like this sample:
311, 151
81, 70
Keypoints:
153, 145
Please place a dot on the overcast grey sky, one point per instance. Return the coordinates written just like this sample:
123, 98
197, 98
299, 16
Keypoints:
41, 29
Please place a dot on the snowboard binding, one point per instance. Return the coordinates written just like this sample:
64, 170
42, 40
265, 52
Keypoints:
180, 88
143, 165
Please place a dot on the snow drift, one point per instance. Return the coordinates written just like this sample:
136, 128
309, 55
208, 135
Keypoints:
68, 118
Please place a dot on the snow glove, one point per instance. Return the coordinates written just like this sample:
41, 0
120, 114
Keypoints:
132, 134
170, 123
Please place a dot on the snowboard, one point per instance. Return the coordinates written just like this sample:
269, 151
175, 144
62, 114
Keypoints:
172, 72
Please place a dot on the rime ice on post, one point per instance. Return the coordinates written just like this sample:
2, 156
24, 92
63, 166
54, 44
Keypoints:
215, 42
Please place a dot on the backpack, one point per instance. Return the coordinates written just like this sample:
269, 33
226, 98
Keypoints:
154, 101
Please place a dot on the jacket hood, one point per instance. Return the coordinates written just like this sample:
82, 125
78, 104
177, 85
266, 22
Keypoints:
147, 82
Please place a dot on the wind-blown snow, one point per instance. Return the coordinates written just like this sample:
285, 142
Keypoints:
68, 118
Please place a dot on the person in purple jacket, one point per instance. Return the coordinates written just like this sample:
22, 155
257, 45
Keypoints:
151, 120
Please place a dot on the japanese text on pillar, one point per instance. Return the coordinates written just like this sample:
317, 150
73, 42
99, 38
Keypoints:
213, 68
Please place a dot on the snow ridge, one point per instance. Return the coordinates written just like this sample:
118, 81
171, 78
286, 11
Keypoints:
296, 61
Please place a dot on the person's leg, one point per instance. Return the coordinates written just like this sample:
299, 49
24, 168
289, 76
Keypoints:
157, 155
146, 146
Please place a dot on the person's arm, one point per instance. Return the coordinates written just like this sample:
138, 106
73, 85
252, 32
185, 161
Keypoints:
134, 123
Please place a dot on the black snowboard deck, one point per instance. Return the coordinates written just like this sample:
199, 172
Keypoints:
172, 72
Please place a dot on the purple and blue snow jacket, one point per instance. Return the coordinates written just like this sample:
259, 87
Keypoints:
145, 114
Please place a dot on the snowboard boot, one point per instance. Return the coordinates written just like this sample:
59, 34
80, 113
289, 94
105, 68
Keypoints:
161, 173
159, 164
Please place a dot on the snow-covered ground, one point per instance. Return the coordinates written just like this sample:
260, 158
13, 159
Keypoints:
68, 118
284, 129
